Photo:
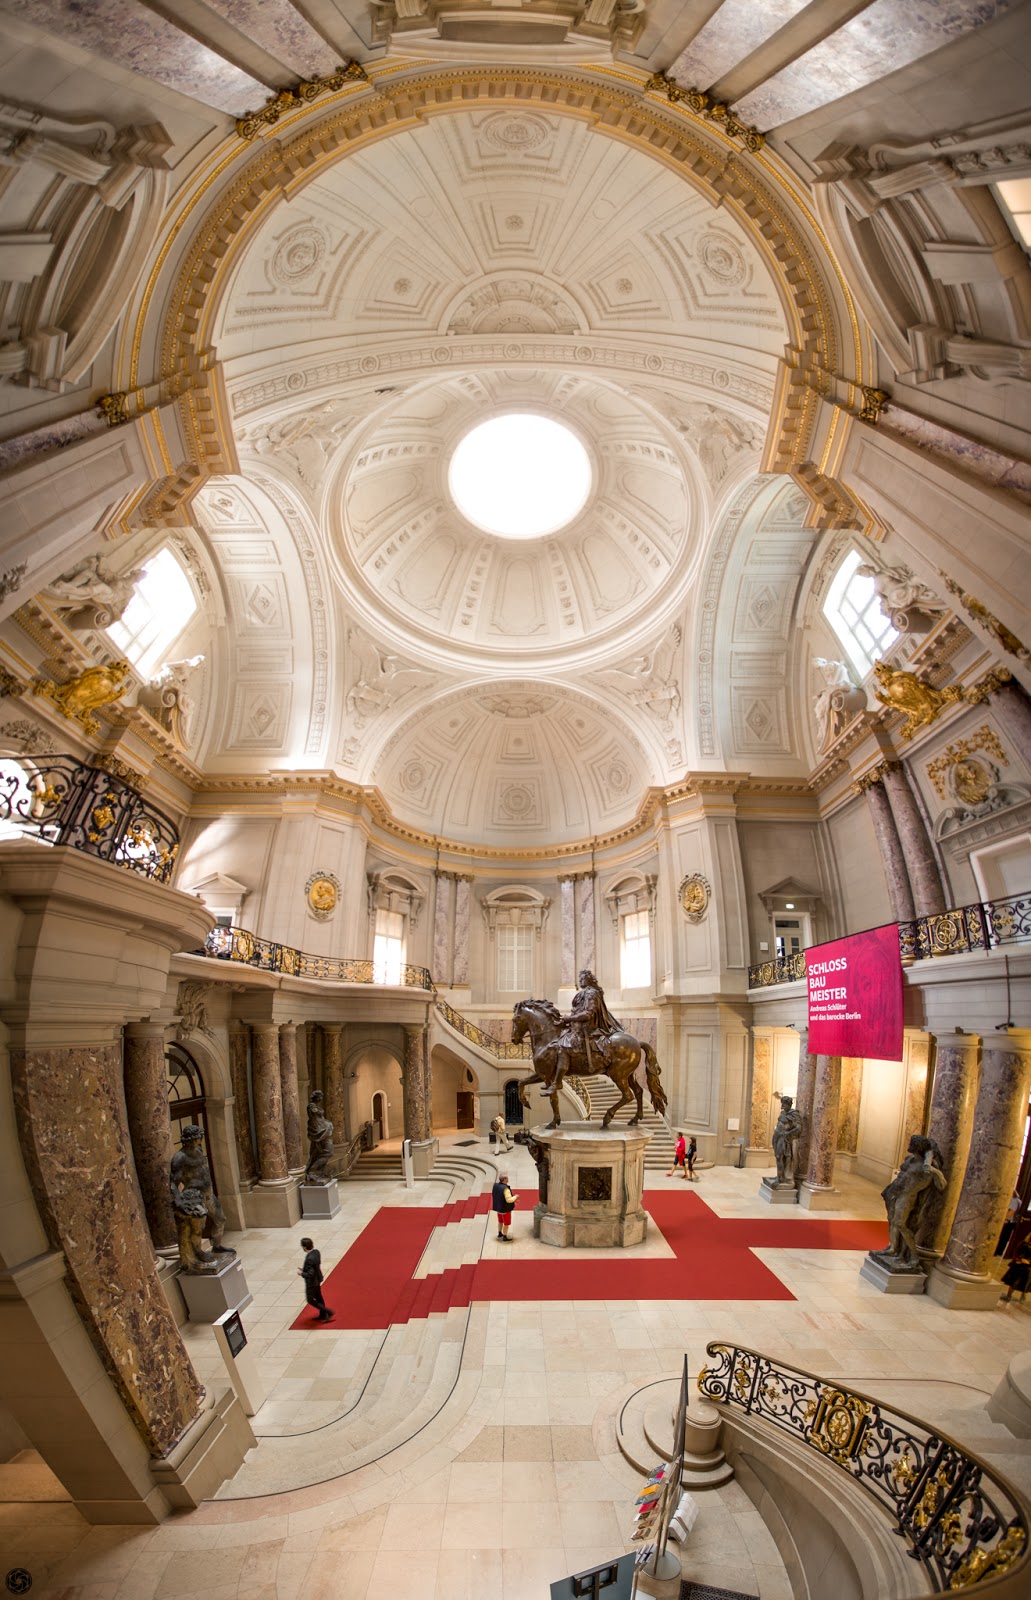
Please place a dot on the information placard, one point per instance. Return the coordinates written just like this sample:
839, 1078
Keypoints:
855, 995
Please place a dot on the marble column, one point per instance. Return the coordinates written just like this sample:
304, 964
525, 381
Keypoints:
1013, 709
587, 953
928, 894
333, 1080
463, 906
762, 1092
150, 1131
917, 1057
804, 1101
567, 975
962, 1277
848, 1105
238, 1059
950, 1123
268, 1103
893, 861
416, 1099
817, 1192
291, 1097
442, 928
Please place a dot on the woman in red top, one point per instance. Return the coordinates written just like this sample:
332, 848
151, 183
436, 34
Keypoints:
678, 1155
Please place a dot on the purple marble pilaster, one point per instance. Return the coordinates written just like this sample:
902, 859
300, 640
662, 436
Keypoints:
567, 976
587, 947
848, 1105
291, 1096
762, 1089
1013, 709
1000, 1119
928, 894
823, 1138
238, 1059
893, 861
150, 1131
268, 1103
804, 1101
463, 905
950, 1123
333, 1080
442, 927
416, 1099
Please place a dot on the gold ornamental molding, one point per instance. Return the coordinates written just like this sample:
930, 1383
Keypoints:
295, 98
705, 106
984, 739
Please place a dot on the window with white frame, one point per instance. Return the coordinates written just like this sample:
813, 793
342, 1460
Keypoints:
157, 614
853, 610
635, 951
515, 957
388, 947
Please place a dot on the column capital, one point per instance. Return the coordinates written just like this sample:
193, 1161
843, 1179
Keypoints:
332, 1029
145, 1028
264, 1027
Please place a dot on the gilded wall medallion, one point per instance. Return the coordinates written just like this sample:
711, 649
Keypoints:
694, 894
323, 892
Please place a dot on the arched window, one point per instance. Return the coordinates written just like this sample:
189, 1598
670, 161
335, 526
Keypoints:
394, 906
515, 918
853, 609
164, 602
186, 1099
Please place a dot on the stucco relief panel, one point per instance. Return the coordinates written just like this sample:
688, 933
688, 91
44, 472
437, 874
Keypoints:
611, 580
519, 607
759, 720
378, 500
517, 803
427, 576
259, 717
763, 607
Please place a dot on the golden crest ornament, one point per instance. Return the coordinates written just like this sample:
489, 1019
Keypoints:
694, 894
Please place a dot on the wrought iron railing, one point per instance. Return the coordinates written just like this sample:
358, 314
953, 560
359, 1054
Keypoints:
239, 944
958, 1519
579, 1088
500, 1049
61, 801
986, 925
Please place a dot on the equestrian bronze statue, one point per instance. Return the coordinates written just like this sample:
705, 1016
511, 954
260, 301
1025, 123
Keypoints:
587, 1042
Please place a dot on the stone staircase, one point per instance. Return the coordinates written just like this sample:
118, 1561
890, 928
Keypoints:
382, 1166
659, 1154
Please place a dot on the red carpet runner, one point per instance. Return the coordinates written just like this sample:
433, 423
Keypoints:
372, 1286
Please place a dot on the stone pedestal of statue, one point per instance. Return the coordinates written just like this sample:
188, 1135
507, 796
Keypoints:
209, 1295
320, 1200
892, 1280
778, 1194
595, 1184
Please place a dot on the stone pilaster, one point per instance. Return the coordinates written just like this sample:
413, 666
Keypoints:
817, 1192
893, 861
150, 1131
928, 894
962, 1277
238, 1059
918, 1052
567, 976
333, 1080
463, 907
442, 927
587, 956
1013, 709
416, 1099
950, 1123
848, 1105
762, 1092
291, 1098
804, 1100
268, 1103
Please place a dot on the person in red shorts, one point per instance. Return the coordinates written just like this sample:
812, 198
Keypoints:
503, 1202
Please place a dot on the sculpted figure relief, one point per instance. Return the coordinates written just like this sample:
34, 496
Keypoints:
196, 1207
93, 596
320, 1137
920, 701
919, 1177
785, 1139
80, 696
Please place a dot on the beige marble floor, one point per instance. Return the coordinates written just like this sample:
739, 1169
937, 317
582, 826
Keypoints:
517, 1480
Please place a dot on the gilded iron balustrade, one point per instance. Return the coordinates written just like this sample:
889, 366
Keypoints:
964, 930
239, 944
60, 801
500, 1049
958, 1519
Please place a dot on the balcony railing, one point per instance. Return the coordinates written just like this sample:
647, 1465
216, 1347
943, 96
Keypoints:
987, 925
959, 1520
239, 944
60, 801
500, 1049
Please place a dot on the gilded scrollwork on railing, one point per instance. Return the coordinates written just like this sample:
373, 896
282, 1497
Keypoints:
239, 944
61, 801
500, 1049
957, 1517
787, 969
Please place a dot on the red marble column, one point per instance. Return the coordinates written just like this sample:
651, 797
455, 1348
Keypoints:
268, 1103
928, 894
950, 1123
291, 1099
333, 1080
818, 1186
416, 1086
893, 861
804, 1102
238, 1057
150, 1130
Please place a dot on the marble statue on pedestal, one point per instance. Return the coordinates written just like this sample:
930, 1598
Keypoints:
785, 1140
196, 1207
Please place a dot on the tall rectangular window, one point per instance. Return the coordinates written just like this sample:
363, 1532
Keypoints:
635, 962
388, 947
515, 959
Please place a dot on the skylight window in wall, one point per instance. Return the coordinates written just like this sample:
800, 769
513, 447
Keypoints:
853, 610
155, 617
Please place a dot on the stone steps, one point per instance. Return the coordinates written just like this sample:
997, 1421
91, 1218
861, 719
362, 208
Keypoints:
659, 1153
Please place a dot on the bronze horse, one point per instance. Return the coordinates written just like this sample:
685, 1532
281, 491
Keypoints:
622, 1056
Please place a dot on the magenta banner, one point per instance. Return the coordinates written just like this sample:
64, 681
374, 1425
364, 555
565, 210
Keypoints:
855, 995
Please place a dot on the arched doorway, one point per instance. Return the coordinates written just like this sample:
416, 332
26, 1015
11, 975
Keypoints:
187, 1101
380, 1123
513, 1104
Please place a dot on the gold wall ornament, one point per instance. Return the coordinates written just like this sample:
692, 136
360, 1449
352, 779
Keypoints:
955, 755
979, 1563
9, 684
990, 623
694, 895
303, 93
990, 684
323, 892
114, 408
874, 402
703, 105
904, 691
840, 1422
82, 695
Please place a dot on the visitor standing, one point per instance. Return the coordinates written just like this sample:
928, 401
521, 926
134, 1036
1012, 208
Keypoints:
500, 1131
678, 1156
311, 1272
1012, 1218
503, 1202
1018, 1272
692, 1157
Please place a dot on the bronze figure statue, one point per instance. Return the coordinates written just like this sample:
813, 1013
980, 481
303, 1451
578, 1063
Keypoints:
320, 1138
589, 1042
905, 1198
785, 1140
196, 1207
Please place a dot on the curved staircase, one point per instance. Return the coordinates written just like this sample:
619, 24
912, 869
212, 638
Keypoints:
658, 1156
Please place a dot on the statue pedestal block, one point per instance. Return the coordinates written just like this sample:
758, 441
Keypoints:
594, 1186
320, 1200
889, 1282
812, 1199
778, 1194
209, 1295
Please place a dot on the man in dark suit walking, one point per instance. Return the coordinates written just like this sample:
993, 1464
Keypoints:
311, 1272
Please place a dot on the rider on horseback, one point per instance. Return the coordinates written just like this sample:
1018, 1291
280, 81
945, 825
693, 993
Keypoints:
586, 1027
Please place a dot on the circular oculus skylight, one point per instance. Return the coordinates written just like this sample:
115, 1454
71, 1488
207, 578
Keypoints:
520, 476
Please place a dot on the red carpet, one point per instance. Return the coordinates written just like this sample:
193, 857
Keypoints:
372, 1286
